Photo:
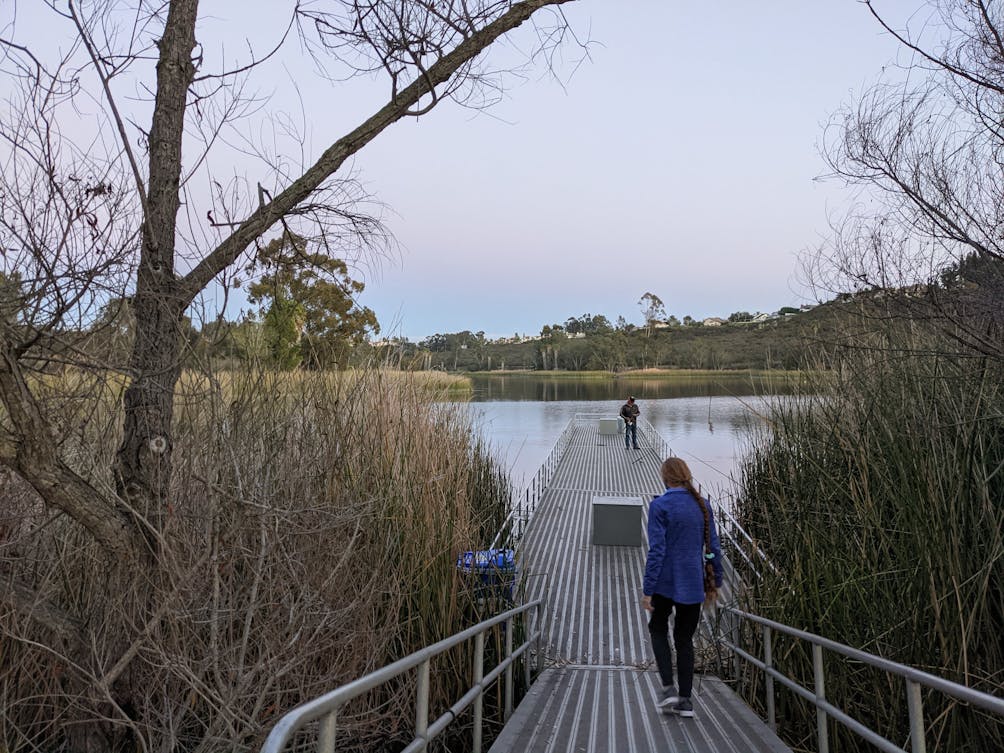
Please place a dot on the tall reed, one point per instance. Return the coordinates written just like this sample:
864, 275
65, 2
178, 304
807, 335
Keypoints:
880, 497
312, 536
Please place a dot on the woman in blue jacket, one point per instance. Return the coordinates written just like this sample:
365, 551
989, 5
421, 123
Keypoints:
674, 579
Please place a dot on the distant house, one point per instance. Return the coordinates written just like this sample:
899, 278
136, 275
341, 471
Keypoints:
761, 318
661, 325
713, 321
577, 335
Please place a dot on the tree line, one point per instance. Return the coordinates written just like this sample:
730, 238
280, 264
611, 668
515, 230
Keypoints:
592, 342
304, 321
304, 314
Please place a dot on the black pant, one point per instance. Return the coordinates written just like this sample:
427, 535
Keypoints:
684, 627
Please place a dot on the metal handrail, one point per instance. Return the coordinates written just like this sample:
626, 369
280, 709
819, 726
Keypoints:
590, 415
326, 706
651, 433
526, 501
733, 524
914, 679
733, 532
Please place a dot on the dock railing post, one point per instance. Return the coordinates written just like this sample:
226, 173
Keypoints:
817, 669
739, 664
479, 675
734, 628
916, 707
538, 621
326, 733
508, 624
526, 654
768, 662
422, 702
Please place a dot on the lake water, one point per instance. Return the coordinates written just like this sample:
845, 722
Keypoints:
704, 420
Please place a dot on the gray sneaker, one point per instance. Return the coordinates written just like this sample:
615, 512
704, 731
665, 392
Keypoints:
683, 707
666, 697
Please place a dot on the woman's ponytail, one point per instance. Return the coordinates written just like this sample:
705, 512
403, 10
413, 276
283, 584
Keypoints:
676, 473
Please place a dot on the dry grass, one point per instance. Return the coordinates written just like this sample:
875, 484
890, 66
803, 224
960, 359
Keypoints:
312, 536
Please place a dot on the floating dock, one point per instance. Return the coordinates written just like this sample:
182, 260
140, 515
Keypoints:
598, 691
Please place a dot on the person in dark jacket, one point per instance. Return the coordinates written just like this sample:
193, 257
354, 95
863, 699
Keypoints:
629, 412
674, 579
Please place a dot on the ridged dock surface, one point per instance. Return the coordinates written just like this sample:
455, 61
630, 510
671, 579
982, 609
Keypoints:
598, 692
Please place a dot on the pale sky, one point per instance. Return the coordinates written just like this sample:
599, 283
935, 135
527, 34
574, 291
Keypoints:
680, 159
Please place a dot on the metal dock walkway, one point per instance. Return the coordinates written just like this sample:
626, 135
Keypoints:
581, 611
599, 693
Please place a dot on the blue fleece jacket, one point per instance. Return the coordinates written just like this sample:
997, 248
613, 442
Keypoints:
674, 566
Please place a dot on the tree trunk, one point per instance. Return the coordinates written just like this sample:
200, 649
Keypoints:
144, 458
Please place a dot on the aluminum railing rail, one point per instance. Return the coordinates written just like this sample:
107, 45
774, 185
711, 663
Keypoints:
514, 526
914, 679
645, 430
325, 708
733, 531
648, 432
734, 537
741, 559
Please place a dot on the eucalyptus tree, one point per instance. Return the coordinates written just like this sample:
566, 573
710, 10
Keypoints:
653, 309
85, 213
310, 301
588, 324
92, 212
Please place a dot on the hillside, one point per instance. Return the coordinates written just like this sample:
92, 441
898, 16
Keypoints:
781, 343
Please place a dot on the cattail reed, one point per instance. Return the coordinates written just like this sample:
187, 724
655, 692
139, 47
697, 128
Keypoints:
880, 497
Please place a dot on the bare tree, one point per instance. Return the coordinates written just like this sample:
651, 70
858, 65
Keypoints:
116, 140
82, 220
926, 147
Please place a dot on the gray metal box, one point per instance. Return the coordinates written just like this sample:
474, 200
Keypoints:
611, 426
617, 521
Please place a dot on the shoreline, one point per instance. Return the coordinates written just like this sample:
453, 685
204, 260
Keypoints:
645, 373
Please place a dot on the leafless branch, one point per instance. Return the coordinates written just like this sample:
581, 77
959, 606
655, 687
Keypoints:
333, 158
105, 79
